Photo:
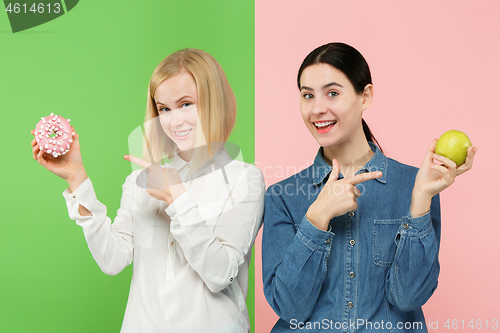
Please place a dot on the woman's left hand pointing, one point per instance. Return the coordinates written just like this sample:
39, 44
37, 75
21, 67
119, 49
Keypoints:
162, 183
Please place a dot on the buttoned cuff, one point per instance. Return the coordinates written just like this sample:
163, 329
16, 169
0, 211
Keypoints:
313, 237
416, 226
85, 186
84, 195
181, 205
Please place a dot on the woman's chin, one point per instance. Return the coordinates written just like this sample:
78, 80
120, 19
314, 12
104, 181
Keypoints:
185, 148
326, 142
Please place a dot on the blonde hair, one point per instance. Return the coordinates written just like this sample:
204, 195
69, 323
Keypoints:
216, 107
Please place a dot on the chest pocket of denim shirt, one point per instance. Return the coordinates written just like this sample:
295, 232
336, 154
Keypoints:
384, 244
144, 221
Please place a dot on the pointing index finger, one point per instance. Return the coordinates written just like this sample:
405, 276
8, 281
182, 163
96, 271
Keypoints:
138, 161
363, 177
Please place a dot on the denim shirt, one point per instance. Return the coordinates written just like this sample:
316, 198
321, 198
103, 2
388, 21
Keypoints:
370, 272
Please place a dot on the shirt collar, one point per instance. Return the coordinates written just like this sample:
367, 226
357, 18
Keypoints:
178, 162
378, 162
220, 159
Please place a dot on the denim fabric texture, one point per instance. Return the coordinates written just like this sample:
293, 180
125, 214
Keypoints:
370, 272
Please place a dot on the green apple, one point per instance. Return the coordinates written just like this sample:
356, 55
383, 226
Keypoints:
453, 145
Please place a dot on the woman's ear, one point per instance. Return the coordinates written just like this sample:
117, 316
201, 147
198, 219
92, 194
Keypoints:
367, 96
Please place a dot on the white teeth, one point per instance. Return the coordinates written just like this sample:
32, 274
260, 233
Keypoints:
326, 123
183, 133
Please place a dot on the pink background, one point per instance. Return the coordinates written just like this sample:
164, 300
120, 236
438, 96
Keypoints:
435, 67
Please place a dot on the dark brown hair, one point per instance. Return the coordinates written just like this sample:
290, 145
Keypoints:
349, 61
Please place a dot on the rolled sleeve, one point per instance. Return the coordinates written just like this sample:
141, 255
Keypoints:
413, 276
294, 261
314, 238
84, 195
179, 206
416, 226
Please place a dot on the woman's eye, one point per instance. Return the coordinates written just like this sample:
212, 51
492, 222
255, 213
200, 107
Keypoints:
332, 93
308, 96
163, 109
185, 105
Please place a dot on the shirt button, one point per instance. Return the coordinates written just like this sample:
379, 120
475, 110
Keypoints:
351, 214
73, 196
231, 279
406, 225
352, 242
350, 305
328, 241
352, 275
172, 243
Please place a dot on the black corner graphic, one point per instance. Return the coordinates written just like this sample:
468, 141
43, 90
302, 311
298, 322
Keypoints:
28, 14
70, 4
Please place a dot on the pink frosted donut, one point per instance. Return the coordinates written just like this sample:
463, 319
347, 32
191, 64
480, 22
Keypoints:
53, 135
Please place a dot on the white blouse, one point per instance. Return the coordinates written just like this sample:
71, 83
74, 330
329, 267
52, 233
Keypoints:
191, 258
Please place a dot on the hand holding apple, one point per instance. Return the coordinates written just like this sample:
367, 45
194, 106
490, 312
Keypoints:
433, 177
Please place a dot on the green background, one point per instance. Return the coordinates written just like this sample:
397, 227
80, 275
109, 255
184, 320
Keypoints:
93, 65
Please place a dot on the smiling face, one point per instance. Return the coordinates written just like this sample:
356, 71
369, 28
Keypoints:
330, 107
176, 100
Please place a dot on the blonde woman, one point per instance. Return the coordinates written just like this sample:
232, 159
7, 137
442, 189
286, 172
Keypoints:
188, 225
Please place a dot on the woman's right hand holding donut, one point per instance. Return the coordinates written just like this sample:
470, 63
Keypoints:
69, 166
337, 197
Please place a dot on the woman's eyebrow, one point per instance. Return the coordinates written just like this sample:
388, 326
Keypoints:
182, 97
332, 84
328, 85
177, 101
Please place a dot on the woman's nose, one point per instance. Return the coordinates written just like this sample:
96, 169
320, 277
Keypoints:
177, 118
318, 107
